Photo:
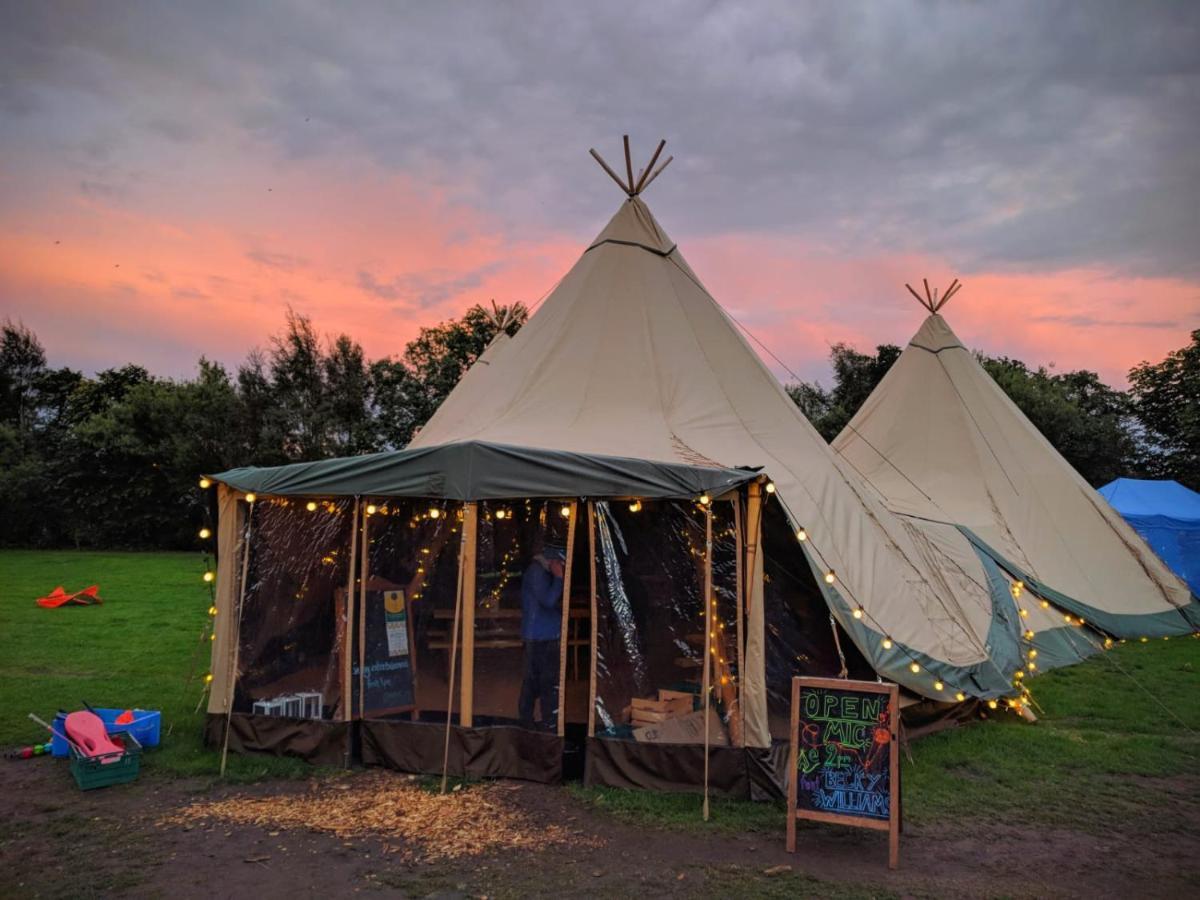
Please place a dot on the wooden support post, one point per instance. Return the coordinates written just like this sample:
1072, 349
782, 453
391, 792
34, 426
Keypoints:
458, 605
237, 637
595, 625
470, 533
738, 611
709, 602
348, 620
364, 565
792, 767
564, 633
753, 532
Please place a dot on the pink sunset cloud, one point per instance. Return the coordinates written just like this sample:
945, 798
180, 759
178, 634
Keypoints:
378, 256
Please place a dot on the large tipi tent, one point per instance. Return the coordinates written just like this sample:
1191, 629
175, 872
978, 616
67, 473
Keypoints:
631, 355
1167, 515
630, 422
940, 441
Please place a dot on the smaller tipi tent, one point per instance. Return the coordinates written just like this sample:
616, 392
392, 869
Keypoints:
1167, 515
940, 441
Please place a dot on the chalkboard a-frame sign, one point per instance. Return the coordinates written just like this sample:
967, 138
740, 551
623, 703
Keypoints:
844, 765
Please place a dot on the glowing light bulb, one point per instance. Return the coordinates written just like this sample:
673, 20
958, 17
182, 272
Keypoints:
1019, 674
205, 534
1032, 666
887, 643
435, 513
1032, 654
770, 487
1024, 613
500, 514
960, 696
1108, 643
635, 506
565, 512
1145, 639
992, 704
801, 535
830, 578
208, 678
914, 668
938, 686
311, 506
212, 610
251, 497
1045, 604
205, 484
705, 499
372, 509
1029, 635
209, 576
858, 613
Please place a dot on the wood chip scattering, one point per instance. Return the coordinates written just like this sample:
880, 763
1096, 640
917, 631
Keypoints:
470, 822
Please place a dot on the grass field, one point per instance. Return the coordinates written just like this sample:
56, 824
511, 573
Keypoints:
1116, 729
136, 649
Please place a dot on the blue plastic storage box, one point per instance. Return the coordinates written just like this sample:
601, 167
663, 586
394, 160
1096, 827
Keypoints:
146, 727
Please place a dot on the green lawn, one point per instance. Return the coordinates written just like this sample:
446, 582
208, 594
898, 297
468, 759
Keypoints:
1104, 746
136, 649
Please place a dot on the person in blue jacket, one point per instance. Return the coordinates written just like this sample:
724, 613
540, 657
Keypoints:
541, 625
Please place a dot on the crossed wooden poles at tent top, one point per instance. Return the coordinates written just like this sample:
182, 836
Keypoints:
930, 301
645, 176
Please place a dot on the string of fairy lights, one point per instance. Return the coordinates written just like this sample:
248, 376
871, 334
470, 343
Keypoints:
940, 686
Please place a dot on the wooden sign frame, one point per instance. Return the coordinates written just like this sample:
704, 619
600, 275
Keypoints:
892, 825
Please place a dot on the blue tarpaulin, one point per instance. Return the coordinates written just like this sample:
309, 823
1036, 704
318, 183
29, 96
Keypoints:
1167, 516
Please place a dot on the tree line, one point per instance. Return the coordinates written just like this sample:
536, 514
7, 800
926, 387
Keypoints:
111, 460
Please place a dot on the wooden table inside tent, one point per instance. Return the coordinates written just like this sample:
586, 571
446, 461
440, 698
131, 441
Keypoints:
507, 631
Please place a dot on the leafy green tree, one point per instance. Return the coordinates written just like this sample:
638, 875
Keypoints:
855, 375
22, 364
432, 364
1166, 399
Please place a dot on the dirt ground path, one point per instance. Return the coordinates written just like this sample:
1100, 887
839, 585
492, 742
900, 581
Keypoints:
58, 842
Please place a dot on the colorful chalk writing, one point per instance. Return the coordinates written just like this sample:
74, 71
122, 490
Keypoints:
843, 753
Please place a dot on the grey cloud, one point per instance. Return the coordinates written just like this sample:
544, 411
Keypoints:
1086, 321
283, 261
1032, 135
425, 290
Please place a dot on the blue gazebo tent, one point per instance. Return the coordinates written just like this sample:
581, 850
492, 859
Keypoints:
1167, 515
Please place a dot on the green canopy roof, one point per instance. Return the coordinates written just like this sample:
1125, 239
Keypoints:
475, 470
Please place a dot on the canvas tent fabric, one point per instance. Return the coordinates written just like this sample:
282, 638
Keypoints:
629, 381
631, 355
941, 442
478, 470
1167, 516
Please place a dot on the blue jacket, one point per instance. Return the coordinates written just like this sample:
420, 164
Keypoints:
541, 615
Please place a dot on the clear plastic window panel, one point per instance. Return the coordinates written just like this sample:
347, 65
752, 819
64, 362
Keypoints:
799, 631
651, 622
403, 667
293, 617
520, 564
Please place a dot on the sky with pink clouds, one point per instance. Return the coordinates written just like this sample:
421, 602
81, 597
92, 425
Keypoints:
173, 177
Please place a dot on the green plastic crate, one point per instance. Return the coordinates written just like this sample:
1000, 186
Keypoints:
91, 772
